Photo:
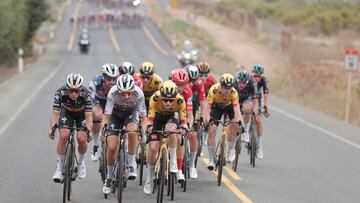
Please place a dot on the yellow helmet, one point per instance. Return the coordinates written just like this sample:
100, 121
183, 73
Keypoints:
147, 69
227, 80
203, 68
168, 90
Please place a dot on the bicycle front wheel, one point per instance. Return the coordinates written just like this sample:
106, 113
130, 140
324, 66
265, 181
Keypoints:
221, 160
252, 145
67, 174
162, 176
102, 163
237, 153
142, 162
120, 173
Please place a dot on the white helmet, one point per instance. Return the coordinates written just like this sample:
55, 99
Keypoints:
110, 70
127, 67
74, 80
125, 83
192, 71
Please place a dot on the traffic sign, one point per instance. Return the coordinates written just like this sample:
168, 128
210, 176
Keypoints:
351, 59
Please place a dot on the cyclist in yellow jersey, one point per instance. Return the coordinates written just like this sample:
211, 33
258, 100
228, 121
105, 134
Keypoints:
151, 81
223, 98
162, 108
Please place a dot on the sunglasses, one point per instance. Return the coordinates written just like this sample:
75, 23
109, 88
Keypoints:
126, 94
73, 90
257, 76
109, 78
146, 77
203, 75
167, 100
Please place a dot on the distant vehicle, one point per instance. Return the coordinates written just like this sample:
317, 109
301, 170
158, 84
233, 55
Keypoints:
188, 54
84, 42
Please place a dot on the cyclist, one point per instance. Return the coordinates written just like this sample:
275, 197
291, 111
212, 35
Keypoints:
262, 84
129, 68
163, 106
72, 103
248, 99
181, 79
125, 104
199, 99
151, 81
223, 98
205, 76
99, 87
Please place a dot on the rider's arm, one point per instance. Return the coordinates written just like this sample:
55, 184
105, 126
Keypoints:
182, 111
266, 93
255, 98
152, 104
54, 119
235, 103
141, 108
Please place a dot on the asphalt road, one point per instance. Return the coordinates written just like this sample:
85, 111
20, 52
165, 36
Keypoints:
308, 157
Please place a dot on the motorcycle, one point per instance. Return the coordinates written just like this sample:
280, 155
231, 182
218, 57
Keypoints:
185, 58
84, 46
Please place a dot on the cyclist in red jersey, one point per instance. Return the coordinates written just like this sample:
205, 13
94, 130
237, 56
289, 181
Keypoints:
181, 79
129, 68
199, 99
205, 76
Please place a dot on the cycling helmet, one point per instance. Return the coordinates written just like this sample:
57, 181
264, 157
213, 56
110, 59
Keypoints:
258, 69
192, 71
203, 68
125, 83
147, 69
180, 76
168, 90
74, 81
243, 75
127, 67
227, 80
110, 70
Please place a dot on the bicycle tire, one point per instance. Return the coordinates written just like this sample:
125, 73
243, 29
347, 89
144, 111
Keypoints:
72, 170
221, 161
142, 163
120, 175
67, 177
198, 153
103, 168
172, 184
162, 175
252, 145
237, 153
185, 168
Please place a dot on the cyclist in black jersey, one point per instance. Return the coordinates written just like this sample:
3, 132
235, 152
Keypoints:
72, 103
248, 99
263, 90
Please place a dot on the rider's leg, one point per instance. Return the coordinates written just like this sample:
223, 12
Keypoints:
97, 113
133, 143
152, 154
60, 149
194, 144
170, 126
180, 150
82, 141
211, 141
112, 144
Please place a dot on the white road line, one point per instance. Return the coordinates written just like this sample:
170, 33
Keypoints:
331, 134
31, 97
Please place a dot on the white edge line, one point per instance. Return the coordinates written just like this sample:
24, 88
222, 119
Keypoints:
28, 100
331, 134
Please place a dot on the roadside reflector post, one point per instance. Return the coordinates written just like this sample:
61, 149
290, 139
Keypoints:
351, 62
21, 60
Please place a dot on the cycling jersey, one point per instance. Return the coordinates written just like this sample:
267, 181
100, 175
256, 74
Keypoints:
83, 102
198, 87
263, 84
216, 98
153, 86
156, 106
248, 92
98, 93
187, 94
138, 81
135, 103
210, 81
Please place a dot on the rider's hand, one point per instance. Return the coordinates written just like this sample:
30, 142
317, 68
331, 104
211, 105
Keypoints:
51, 135
266, 113
149, 129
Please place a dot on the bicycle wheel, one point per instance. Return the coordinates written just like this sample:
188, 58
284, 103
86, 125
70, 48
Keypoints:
66, 169
237, 153
221, 161
102, 163
198, 154
252, 145
161, 181
142, 162
185, 168
120, 174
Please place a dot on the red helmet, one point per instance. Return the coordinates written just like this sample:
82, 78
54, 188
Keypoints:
180, 76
